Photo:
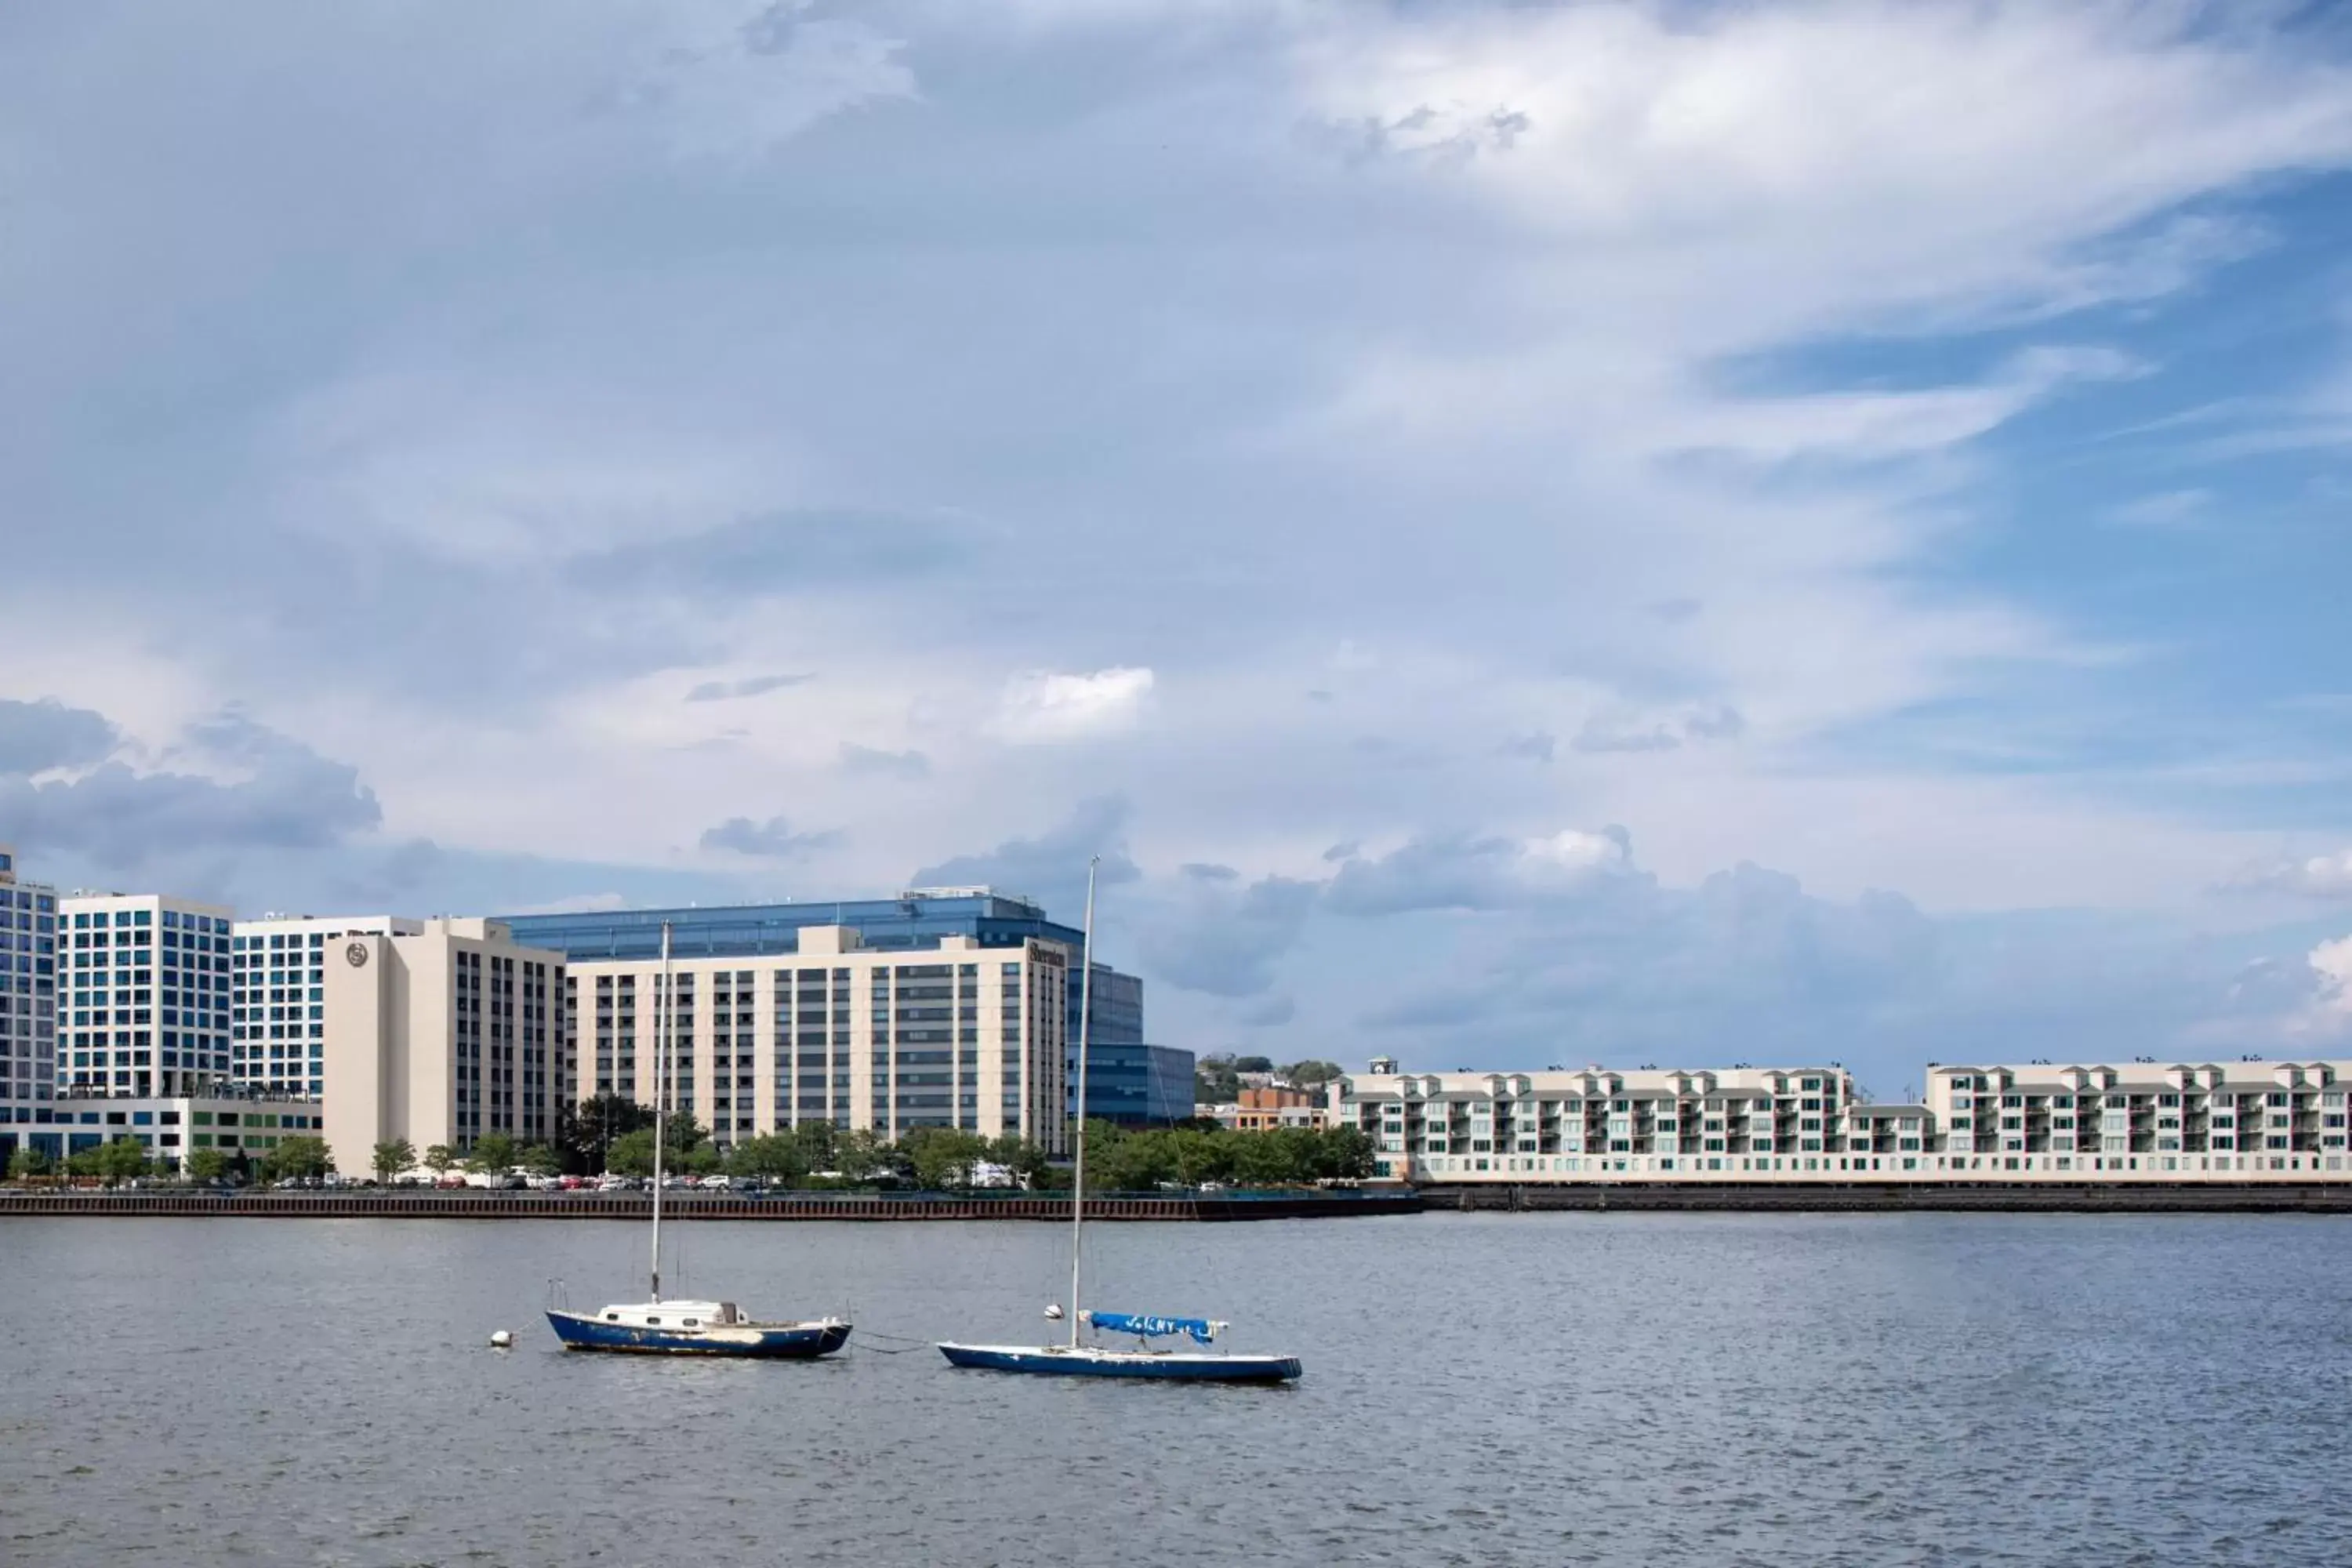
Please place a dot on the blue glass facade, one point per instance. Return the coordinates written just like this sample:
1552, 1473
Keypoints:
1134, 1084
756, 930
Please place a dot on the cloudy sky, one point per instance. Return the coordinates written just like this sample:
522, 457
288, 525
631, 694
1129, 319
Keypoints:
1637, 532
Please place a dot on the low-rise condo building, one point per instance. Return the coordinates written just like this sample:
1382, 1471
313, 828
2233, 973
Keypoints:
2141, 1121
2202, 1116
1525, 1126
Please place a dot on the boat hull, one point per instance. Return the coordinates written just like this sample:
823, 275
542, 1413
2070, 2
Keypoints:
779, 1342
1061, 1361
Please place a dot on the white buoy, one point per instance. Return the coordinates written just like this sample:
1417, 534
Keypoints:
502, 1341
1054, 1311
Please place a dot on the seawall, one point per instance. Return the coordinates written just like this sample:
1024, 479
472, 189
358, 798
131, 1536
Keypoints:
1044, 1206
1898, 1197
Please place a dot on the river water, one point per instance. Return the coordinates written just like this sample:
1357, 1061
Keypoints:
1480, 1389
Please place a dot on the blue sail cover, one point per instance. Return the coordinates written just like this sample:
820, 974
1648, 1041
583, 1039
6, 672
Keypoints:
1200, 1329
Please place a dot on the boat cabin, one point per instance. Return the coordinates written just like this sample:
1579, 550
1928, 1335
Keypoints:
675, 1315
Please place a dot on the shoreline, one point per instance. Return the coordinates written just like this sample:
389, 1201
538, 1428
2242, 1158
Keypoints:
1042, 1208
1623, 1198
1894, 1197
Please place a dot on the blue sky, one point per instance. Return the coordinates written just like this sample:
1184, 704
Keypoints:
1523, 533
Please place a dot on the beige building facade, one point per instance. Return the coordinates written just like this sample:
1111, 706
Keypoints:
2137, 1122
957, 1036
441, 1035
279, 1041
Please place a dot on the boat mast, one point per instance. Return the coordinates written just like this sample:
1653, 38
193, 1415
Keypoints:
664, 1009
1086, 1020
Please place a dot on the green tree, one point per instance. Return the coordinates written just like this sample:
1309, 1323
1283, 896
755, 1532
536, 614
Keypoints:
121, 1160
632, 1154
770, 1157
1267, 1159
27, 1162
943, 1157
1311, 1074
1027, 1161
297, 1156
682, 1132
493, 1155
440, 1158
208, 1165
1343, 1153
860, 1155
392, 1157
1216, 1079
539, 1159
84, 1161
1120, 1161
701, 1160
1200, 1156
585, 1132
819, 1143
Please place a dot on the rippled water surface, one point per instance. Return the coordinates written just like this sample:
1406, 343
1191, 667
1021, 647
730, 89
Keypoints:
1480, 1389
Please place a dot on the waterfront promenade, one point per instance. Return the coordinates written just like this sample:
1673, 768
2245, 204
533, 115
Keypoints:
366, 1204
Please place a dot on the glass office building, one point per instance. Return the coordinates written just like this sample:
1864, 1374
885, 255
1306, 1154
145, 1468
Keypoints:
1136, 1085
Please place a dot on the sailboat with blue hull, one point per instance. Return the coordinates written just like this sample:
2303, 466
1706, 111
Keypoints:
1076, 1358
656, 1327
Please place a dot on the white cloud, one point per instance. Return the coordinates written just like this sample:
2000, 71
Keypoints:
1494, 369
2327, 876
1043, 706
1573, 854
2329, 1014
2163, 508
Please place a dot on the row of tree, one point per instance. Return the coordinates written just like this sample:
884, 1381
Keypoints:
814, 1153
126, 1158
1125, 1160
1217, 1079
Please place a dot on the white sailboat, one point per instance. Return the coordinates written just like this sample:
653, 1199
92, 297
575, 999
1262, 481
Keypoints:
686, 1327
1074, 1358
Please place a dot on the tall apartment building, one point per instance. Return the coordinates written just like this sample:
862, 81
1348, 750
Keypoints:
278, 1027
29, 989
143, 994
442, 1035
955, 1034
2144, 1121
